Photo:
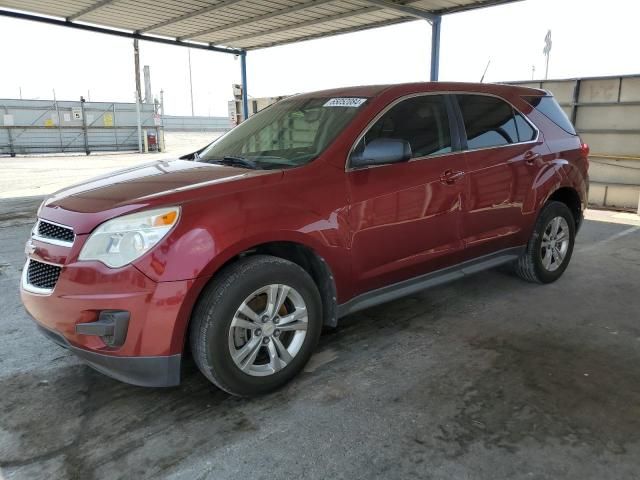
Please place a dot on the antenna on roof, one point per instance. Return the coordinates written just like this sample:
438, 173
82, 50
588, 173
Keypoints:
485, 71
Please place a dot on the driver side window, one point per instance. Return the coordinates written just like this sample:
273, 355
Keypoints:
422, 121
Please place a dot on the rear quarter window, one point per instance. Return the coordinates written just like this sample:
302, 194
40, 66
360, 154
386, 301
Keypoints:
549, 107
526, 133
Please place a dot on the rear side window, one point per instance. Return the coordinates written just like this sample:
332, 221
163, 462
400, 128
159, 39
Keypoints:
421, 121
550, 109
488, 121
526, 133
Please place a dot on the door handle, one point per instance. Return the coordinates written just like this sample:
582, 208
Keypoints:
530, 157
451, 176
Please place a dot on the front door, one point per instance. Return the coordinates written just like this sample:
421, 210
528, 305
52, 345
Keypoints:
405, 217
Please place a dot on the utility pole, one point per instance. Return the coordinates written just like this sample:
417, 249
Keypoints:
136, 61
547, 51
533, 72
191, 83
138, 92
148, 95
20, 92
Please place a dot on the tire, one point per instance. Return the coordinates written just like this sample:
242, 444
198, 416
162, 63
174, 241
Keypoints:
220, 331
534, 264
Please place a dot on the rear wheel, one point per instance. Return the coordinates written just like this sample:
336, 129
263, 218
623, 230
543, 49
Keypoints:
256, 325
550, 247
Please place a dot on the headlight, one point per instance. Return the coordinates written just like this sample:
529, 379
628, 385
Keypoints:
120, 241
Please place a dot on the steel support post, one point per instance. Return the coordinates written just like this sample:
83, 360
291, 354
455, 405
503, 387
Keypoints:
435, 48
574, 102
245, 96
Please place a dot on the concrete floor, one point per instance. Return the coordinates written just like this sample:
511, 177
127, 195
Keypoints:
485, 378
43, 174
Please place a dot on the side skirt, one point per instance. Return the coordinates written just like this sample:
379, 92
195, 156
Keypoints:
416, 284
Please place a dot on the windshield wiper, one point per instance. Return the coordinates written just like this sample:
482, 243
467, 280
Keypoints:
237, 162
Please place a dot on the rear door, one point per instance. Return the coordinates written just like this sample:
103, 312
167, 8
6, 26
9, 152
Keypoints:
405, 217
502, 154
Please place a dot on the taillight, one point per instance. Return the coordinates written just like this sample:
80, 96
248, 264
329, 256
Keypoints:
584, 153
584, 149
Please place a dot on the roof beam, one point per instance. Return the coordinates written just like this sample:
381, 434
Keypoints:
376, 6
186, 16
308, 23
407, 9
118, 33
475, 6
259, 18
95, 6
342, 31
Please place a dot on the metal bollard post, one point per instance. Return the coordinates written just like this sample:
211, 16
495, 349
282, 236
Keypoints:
84, 127
139, 124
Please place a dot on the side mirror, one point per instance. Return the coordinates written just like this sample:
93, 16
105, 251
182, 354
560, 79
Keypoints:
382, 151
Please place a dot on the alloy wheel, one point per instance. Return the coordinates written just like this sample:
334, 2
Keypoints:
268, 330
555, 243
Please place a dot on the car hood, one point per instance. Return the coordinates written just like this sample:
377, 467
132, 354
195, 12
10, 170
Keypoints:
87, 204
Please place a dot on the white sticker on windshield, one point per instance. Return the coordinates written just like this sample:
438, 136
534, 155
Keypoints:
345, 102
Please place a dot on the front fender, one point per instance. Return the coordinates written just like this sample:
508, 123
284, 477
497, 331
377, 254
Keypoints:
203, 242
333, 254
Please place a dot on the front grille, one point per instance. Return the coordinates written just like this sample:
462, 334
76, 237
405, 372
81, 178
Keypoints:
42, 275
55, 232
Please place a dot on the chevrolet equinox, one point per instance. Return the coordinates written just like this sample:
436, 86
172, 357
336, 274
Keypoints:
318, 206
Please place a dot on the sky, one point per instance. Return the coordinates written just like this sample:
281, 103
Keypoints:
590, 38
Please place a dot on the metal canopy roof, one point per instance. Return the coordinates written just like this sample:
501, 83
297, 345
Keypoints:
232, 25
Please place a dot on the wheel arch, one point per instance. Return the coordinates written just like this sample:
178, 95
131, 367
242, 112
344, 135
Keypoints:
296, 252
571, 198
313, 263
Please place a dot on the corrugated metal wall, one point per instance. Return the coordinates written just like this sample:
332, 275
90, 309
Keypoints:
606, 113
47, 126
172, 123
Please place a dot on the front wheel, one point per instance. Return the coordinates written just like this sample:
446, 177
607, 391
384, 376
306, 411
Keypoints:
550, 247
256, 325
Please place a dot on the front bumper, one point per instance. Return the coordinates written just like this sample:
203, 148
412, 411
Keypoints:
151, 352
161, 371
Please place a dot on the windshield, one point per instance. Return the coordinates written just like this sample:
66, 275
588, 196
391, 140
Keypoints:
287, 134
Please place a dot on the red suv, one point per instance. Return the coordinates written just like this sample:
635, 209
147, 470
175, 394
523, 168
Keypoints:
316, 207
